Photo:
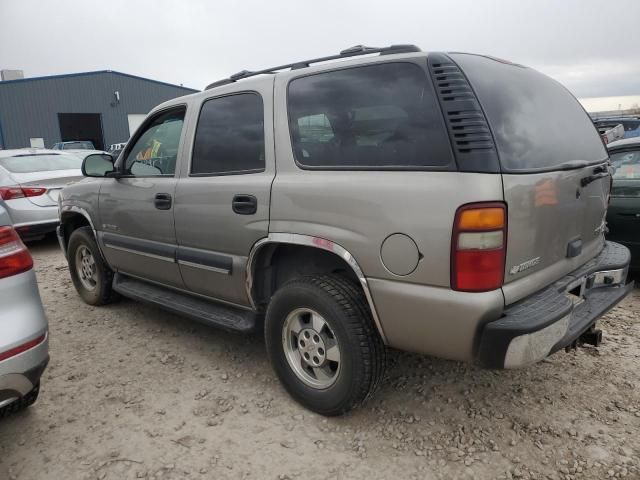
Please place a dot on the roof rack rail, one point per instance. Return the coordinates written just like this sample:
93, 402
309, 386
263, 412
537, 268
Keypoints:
346, 53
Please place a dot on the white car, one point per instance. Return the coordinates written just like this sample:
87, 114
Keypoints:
30, 181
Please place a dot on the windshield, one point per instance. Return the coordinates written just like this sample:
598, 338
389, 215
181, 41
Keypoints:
29, 163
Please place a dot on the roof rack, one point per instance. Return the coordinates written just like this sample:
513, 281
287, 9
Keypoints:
349, 52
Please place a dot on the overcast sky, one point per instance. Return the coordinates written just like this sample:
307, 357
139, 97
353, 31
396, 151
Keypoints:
592, 46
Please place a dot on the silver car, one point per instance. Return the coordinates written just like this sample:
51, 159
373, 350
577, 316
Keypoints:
30, 181
24, 344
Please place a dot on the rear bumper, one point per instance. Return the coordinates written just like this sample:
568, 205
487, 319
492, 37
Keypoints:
34, 230
22, 320
23, 212
558, 315
16, 385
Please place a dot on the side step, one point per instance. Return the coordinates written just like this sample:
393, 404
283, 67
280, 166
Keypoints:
209, 312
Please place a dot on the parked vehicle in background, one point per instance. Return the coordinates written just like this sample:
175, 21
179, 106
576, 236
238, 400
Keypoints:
419, 200
623, 216
116, 150
116, 146
24, 345
30, 181
610, 133
630, 125
74, 145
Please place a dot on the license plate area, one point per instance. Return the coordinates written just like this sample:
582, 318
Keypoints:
576, 290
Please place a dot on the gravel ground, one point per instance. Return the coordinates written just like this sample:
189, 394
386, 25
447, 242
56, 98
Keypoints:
135, 392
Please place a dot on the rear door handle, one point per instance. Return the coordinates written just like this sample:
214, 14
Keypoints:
245, 204
162, 201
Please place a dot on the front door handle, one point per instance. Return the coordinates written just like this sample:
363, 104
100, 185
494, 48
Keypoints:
245, 204
162, 201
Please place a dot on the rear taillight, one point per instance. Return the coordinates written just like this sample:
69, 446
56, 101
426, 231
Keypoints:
9, 193
14, 256
478, 247
22, 348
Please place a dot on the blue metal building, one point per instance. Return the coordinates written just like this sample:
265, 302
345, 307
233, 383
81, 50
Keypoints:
104, 107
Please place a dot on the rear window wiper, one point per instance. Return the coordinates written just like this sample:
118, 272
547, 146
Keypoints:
598, 173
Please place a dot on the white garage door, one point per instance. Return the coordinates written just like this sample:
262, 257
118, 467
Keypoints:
135, 119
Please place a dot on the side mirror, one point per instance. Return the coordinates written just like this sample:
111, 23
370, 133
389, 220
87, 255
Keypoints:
97, 165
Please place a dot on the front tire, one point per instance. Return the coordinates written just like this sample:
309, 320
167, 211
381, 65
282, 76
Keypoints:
323, 345
91, 276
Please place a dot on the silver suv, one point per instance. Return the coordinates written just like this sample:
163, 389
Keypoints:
448, 204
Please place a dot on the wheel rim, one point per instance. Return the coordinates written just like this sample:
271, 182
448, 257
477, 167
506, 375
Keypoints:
86, 268
311, 348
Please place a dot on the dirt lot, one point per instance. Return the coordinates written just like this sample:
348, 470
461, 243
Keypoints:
134, 392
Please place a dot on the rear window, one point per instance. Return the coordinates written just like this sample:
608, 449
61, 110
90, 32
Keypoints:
40, 163
380, 116
537, 124
78, 146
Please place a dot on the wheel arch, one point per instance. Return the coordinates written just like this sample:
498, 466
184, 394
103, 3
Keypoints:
72, 218
265, 251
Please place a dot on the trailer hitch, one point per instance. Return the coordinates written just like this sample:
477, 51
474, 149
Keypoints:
592, 336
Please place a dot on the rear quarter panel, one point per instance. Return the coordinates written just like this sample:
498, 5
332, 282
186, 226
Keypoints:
359, 210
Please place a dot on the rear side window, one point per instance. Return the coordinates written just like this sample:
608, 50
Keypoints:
229, 136
379, 116
537, 124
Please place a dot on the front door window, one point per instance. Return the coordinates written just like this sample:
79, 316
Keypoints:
155, 151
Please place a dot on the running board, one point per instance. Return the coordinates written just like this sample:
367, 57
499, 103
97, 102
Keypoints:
201, 310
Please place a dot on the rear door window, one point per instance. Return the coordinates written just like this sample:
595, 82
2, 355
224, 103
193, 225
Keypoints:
537, 124
230, 136
381, 116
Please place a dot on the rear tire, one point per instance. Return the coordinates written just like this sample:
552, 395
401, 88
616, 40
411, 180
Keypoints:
22, 403
323, 344
90, 274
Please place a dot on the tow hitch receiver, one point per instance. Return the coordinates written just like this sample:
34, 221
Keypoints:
593, 336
